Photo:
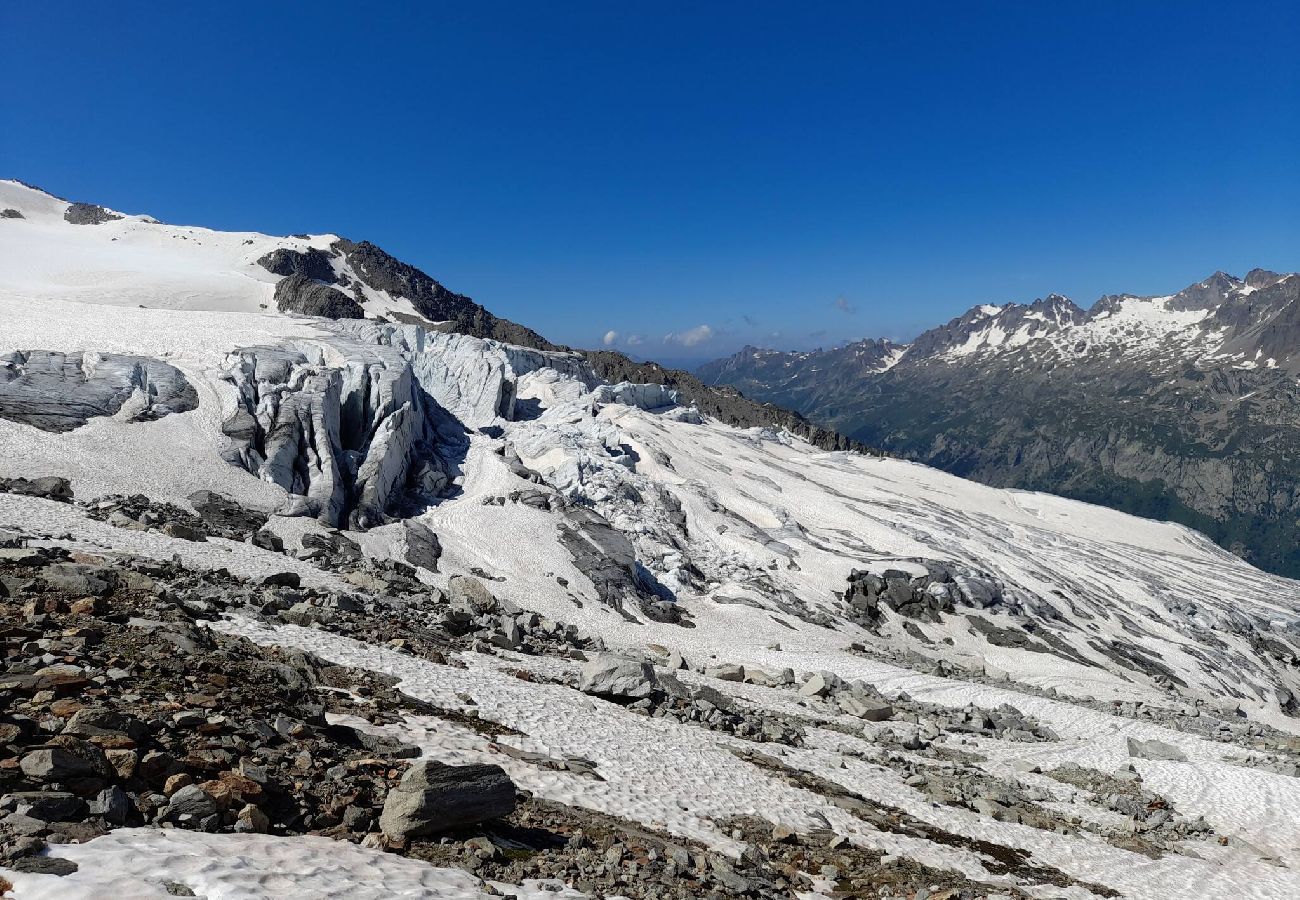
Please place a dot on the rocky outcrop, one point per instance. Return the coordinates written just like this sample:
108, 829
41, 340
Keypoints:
310, 263
226, 517
308, 297
62, 391
380, 271
49, 487
612, 676
921, 597
88, 214
605, 556
11, 214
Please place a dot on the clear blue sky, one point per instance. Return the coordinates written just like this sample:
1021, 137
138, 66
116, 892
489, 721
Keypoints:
787, 174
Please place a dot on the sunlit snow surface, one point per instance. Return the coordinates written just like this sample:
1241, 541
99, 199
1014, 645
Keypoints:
774, 526
138, 863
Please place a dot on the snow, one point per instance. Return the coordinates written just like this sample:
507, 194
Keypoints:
715, 514
692, 780
138, 261
138, 863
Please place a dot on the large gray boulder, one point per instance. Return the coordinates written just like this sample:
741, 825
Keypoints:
434, 797
611, 675
468, 593
423, 548
49, 487
864, 707
1155, 750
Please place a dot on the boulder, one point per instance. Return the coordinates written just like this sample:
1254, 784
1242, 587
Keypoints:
727, 672
48, 806
48, 487
282, 579
184, 532
191, 802
467, 592
75, 761
433, 797
611, 675
423, 548
864, 708
817, 685
1155, 750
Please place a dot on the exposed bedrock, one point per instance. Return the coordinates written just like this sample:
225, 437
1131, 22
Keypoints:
310, 263
307, 297
62, 391
88, 214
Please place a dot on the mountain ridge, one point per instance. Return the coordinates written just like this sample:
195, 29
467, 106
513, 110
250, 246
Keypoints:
1178, 406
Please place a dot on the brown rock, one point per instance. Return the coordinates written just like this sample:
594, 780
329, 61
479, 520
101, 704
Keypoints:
87, 606
243, 787
175, 782
251, 819
123, 762
64, 708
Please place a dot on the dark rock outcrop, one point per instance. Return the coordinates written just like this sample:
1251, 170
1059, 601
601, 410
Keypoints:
305, 296
88, 214
48, 487
310, 263
382, 272
225, 516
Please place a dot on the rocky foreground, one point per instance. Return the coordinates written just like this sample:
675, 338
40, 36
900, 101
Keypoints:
125, 707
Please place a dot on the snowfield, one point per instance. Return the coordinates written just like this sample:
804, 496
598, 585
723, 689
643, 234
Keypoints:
750, 535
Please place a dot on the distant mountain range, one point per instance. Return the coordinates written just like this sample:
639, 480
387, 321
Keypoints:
1182, 407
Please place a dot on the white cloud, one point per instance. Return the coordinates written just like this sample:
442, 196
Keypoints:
610, 338
635, 339
691, 336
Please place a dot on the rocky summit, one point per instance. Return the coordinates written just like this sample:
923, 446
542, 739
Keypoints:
319, 579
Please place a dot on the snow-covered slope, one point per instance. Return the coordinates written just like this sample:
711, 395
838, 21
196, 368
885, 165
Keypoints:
629, 515
53, 249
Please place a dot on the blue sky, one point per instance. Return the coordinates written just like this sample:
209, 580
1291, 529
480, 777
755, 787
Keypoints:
692, 176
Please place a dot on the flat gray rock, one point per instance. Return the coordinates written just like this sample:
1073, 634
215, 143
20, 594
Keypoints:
1155, 750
